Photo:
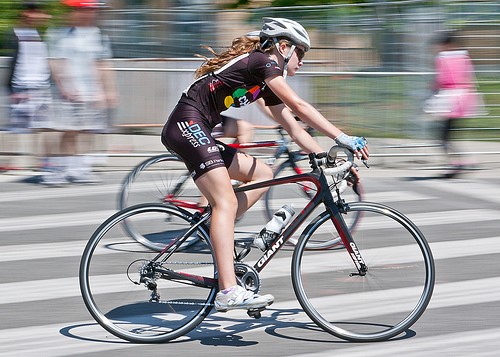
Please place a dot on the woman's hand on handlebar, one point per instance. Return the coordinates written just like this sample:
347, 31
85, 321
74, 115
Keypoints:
357, 144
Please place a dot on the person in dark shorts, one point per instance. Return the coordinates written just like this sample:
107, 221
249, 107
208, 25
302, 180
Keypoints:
250, 69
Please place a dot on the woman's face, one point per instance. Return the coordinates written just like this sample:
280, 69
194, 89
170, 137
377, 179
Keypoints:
295, 61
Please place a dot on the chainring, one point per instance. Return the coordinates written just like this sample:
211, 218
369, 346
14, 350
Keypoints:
247, 277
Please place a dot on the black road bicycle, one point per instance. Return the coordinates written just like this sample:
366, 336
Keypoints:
371, 288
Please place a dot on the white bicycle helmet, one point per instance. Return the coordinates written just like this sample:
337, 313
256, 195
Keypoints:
280, 27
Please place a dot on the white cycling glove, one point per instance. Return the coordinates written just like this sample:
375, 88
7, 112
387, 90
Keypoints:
351, 142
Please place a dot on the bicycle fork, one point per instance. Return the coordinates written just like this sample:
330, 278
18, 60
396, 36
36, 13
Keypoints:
336, 210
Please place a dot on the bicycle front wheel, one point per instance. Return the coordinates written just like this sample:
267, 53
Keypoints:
300, 193
140, 299
379, 305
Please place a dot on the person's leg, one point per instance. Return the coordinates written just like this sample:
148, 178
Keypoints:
57, 159
241, 130
86, 146
248, 169
68, 142
69, 149
444, 136
215, 185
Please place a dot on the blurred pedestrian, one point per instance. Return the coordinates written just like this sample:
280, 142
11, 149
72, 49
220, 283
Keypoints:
29, 80
85, 86
455, 95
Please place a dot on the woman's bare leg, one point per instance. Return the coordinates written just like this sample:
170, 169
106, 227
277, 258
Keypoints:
215, 185
247, 169
239, 129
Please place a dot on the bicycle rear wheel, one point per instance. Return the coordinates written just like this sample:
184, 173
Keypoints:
159, 179
136, 298
379, 305
299, 194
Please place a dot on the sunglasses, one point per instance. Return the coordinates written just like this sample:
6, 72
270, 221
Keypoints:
300, 53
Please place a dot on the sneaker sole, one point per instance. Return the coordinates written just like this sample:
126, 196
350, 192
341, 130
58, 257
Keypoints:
250, 307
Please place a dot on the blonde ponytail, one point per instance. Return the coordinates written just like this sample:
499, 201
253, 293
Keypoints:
240, 45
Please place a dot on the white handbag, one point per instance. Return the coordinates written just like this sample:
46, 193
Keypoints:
443, 102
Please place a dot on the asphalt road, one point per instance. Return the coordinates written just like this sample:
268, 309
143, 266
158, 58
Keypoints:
43, 232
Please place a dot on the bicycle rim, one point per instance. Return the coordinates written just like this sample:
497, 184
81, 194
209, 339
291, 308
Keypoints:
156, 180
388, 299
115, 270
299, 194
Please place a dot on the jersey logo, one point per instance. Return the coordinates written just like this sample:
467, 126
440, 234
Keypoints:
193, 132
242, 97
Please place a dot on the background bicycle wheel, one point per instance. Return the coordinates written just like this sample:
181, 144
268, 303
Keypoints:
158, 178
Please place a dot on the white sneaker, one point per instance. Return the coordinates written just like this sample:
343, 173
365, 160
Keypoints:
238, 297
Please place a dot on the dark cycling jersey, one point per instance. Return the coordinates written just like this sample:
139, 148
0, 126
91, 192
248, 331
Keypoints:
238, 83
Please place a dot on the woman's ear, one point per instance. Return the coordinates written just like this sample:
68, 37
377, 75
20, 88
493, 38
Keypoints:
282, 48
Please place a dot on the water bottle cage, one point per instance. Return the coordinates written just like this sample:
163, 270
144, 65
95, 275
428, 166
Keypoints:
268, 237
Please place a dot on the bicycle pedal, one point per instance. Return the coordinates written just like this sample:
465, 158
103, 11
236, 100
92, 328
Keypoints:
256, 313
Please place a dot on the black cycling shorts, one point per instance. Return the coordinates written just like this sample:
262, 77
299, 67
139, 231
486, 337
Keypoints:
187, 134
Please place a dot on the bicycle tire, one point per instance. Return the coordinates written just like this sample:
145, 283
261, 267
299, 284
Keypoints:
159, 179
385, 302
115, 269
298, 194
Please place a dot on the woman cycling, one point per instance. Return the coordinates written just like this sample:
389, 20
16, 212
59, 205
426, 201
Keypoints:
250, 69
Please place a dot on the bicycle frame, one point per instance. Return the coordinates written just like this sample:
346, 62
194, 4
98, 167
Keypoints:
322, 196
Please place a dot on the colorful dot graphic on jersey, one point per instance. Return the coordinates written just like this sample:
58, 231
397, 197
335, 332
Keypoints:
242, 92
228, 101
255, 91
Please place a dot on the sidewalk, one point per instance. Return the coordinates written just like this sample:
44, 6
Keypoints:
121, 152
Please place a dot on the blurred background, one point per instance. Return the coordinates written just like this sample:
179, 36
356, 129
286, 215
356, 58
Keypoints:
369, 71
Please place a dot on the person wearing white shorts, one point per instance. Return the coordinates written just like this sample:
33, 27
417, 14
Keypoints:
85, 89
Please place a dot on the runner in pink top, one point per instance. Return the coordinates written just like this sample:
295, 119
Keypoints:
455, 82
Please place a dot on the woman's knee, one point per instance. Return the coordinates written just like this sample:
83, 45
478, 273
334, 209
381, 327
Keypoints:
227, 205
